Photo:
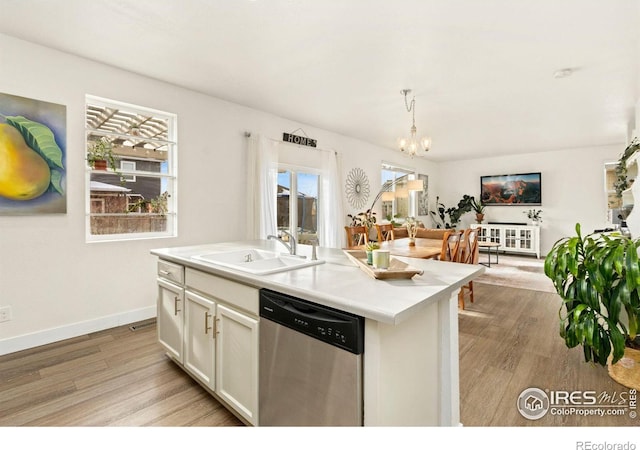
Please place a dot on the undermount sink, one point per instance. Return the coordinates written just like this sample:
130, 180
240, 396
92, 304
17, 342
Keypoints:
257, 261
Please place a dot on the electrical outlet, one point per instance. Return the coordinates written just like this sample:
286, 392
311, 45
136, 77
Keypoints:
5, 313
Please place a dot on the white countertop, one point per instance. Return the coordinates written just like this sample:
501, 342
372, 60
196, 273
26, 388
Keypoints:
339, 283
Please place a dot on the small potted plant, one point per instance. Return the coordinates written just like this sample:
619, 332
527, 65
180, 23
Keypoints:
412, 229
534, 215
478, 207
100, 155
371, 246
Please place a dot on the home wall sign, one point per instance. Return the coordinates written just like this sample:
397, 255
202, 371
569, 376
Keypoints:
300, 140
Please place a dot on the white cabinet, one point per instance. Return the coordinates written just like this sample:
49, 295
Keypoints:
170, 308
199, 338
209, 325
170, 318
221, 350
237, 371
513, 238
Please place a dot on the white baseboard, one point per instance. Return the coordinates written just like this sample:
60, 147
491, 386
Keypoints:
38, 338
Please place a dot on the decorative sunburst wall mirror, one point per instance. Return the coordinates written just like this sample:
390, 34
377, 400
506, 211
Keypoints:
357, 188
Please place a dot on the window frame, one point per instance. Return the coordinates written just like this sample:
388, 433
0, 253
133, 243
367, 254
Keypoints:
168, 179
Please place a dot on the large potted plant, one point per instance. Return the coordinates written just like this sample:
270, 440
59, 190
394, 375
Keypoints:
366, 219
598, 278
478, 208
454, 213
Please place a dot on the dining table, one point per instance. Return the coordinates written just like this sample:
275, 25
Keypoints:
423, 248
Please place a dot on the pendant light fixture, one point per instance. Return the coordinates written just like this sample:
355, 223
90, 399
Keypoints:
411, 145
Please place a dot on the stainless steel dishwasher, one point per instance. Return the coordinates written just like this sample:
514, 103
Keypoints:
310, 363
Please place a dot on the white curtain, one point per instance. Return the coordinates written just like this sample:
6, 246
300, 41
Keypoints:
262, 185
330, 226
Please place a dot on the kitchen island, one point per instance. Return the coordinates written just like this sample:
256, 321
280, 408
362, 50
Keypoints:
410, 361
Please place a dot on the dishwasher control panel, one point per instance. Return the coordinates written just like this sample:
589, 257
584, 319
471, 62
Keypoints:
326, 324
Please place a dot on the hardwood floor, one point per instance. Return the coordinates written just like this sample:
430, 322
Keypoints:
115, 377
508, 342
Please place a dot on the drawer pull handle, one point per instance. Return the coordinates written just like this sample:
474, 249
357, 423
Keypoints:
206, 322
165, 272
175, 306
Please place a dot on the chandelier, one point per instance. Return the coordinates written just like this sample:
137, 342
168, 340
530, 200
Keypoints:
411, 145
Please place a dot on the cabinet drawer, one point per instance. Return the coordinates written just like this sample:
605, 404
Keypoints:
171, 271
236, 294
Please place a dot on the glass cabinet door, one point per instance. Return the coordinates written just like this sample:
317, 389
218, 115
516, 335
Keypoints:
510, 238
525, 239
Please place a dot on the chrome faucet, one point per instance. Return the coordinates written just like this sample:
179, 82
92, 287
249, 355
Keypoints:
291, 245
314, 243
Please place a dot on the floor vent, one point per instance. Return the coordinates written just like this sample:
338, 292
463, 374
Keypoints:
141, 325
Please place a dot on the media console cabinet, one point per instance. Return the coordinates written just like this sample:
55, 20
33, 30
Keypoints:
513, 238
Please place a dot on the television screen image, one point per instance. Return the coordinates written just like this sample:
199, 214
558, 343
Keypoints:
518, 189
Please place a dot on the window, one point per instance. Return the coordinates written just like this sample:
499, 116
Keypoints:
297, 203
128, 166
134, 197
403, 205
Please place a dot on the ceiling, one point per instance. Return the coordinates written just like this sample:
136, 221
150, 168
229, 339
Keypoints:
481, 71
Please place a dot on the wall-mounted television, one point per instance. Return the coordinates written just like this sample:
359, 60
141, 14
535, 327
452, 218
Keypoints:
517, 189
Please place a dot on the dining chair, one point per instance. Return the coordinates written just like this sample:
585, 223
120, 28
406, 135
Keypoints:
470, 255
450, 246
357, 235
431, 233
385, 232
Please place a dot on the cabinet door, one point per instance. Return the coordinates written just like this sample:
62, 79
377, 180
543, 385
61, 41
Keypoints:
526, 240
199, 351
170, 318
511, 238
237, 369
495, 235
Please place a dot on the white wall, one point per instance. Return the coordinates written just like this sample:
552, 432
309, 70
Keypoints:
59, 286
572, 188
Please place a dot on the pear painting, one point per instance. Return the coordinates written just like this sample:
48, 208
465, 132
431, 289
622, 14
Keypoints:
32, 156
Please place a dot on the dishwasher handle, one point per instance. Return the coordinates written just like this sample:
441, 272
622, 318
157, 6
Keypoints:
312, 313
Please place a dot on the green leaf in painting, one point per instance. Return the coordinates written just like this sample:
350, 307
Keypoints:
40, 138
56, 181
